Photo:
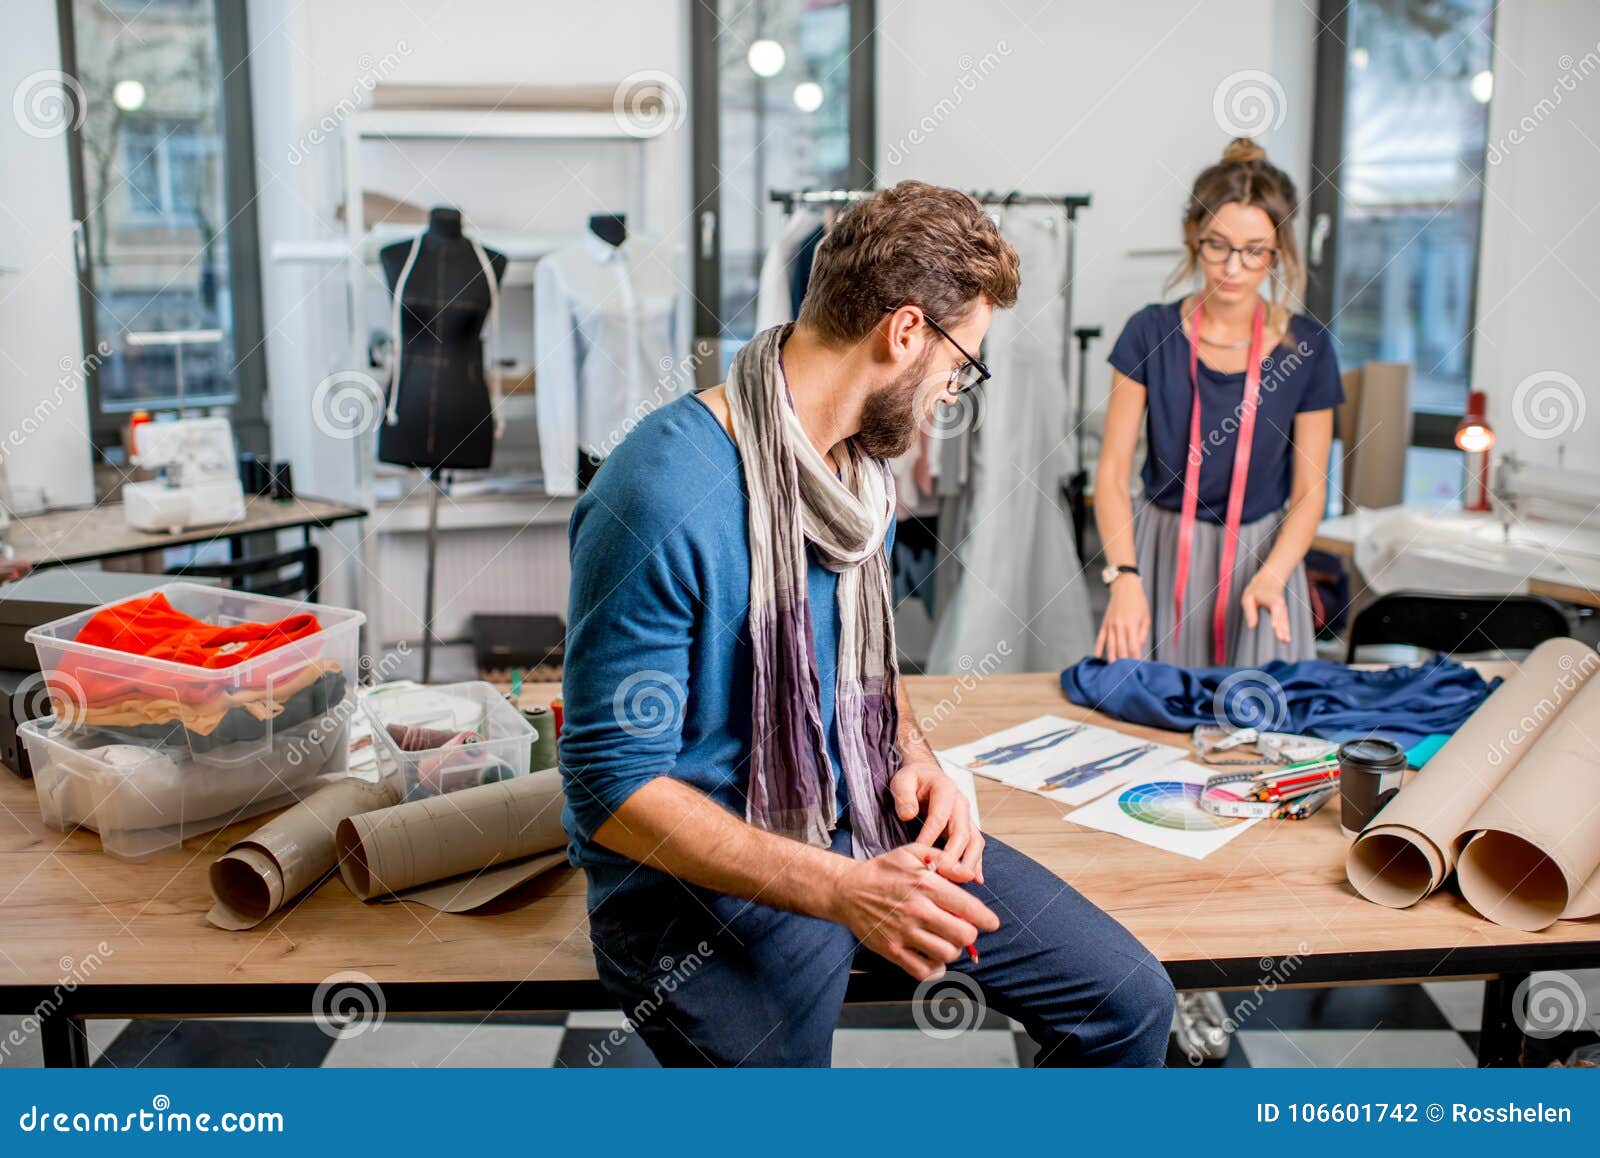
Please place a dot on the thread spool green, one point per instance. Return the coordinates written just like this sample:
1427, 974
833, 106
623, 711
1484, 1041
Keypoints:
543, 722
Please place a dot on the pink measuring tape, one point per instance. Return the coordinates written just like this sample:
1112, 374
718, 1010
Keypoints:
1241, 474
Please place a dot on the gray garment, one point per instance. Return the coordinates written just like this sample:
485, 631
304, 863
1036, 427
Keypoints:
1018, 600
1155, 533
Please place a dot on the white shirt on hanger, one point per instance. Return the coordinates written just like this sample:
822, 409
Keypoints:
774, 293
611, 343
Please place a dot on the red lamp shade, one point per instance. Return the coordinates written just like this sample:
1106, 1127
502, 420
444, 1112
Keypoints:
1473, 433
1475, 436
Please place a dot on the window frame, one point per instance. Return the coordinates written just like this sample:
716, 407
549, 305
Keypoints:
248, 412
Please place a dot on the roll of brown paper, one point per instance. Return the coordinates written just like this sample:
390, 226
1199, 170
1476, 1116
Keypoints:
285, 856
467, 847
1534, 846
1414, 843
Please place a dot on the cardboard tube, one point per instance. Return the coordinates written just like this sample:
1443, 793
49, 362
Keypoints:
475, 834
1435, 809
1533, 850
285, 856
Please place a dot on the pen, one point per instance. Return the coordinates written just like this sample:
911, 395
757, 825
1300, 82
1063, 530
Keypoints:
972, 950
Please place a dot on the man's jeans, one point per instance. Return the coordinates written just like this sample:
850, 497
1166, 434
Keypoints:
711, 980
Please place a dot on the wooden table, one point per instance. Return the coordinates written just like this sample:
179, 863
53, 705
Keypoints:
101, 532
1273, 900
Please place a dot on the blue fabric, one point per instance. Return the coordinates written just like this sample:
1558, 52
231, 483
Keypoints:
711, 980
657, 675
1312, 697
1303, 374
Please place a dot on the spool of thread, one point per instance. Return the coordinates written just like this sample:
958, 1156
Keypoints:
555, 710
543, 722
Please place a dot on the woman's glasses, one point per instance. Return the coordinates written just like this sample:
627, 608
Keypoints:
1215, 251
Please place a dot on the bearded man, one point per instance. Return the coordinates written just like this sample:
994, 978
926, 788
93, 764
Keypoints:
747, 790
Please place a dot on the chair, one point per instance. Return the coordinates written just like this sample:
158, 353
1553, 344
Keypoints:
1457, 624
263, 574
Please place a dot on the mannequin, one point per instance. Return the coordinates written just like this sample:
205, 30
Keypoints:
441, 410
611, 228
442, 413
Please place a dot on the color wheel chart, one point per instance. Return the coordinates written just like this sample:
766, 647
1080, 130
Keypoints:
1171, 804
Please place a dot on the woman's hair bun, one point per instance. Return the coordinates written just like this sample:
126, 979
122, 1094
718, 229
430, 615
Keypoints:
1243, 151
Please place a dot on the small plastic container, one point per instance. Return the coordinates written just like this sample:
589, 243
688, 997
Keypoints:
223, 716
144, 800
472, 707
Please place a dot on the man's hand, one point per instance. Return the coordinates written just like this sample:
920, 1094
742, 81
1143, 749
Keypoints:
923, 788
906, 914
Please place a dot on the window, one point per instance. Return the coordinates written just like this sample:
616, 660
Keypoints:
783, 100
1402, 130
163, 184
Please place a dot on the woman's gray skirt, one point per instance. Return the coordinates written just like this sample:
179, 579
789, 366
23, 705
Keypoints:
1156, 541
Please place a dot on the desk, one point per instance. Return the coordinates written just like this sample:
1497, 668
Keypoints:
1278, 891
1549, 577
100, 532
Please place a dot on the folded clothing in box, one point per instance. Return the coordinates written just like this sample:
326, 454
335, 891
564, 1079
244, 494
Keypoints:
152, 703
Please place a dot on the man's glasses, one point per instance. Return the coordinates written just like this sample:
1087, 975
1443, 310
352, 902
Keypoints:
970, 373
1215, 251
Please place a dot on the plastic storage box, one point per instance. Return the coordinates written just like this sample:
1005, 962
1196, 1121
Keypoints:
226, 716
145, 800
472, 708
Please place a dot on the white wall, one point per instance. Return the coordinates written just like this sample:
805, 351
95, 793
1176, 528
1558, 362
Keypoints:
44, 408
1539, 279
308, 59
1115, 100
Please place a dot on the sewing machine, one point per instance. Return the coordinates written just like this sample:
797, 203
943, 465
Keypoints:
198, 476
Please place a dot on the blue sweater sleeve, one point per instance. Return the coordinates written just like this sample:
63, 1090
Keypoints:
631, 613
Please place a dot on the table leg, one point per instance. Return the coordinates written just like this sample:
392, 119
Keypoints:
1501, 1041
64, 1039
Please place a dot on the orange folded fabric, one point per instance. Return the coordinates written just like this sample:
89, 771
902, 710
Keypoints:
151, 627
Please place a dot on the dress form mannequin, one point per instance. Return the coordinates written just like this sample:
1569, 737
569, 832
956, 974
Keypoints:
440, 406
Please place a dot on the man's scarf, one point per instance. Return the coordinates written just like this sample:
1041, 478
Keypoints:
795, 500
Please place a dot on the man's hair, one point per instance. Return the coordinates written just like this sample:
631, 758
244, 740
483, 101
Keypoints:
914, 244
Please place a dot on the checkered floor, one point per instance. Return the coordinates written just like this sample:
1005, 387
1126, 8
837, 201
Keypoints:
1435, 1024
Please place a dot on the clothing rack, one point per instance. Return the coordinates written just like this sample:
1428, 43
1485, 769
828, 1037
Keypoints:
1069, 203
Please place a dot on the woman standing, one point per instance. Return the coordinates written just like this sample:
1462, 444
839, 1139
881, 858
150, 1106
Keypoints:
1235, 394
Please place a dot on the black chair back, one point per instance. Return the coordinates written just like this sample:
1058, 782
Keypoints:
264, 574
1458, 624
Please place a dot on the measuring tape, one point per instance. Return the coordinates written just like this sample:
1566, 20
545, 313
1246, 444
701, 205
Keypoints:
1291, 793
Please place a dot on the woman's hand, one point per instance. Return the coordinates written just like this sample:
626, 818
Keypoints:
1126, 627
1264, 592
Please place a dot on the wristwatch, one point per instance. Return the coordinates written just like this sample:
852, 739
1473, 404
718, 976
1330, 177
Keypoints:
1109, 575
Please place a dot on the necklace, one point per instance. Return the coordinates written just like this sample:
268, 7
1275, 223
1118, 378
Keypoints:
1224, 345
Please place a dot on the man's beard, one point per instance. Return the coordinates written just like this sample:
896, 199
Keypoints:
889, 415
